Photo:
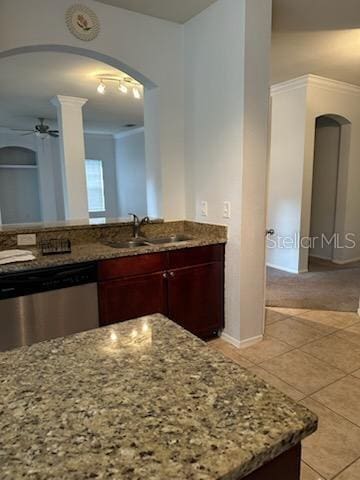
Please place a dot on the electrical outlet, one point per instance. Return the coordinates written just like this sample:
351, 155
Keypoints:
227, 210
26, 240
204, 208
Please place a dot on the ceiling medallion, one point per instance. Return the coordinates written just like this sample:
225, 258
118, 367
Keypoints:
82, 22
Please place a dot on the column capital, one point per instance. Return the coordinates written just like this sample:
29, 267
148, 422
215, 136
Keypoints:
62, 100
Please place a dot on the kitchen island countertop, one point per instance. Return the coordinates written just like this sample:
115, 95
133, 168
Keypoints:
141, 399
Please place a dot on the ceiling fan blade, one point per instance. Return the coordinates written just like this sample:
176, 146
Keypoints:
30, 132
53, 131
53, 134
16, 129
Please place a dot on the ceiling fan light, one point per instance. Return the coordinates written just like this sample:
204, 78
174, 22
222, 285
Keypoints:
101, 88
41, 135
136, 93
123, 88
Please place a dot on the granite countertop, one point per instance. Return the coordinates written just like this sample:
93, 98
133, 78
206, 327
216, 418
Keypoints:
139, 400
89, 252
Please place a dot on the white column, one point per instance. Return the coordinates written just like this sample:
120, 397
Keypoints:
46, 180
72, 154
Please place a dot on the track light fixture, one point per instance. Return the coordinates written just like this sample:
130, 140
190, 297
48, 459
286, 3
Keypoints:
123, 88
136, 93
101, 87
124, 85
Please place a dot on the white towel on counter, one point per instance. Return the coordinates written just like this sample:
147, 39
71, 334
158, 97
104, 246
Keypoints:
11, 256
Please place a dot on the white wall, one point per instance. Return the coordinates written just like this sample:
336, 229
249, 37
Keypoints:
288, 117
147, 48
324, 189
131, 174
102, 147
295, 107
225, 143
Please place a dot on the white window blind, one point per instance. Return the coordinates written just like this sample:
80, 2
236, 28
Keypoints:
95, 185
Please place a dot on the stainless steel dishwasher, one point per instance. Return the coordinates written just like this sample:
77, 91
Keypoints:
44, 304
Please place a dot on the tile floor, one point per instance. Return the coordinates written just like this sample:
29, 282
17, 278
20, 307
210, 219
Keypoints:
314, 357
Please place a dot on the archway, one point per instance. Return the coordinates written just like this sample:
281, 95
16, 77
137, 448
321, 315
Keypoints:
151, 112
85, 52
328, 201
19, 186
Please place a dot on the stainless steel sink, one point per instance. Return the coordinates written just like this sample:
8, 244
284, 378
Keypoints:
169, 239
127, 244
142, 242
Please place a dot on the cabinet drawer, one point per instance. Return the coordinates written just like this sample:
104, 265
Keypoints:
129, 266
196, 256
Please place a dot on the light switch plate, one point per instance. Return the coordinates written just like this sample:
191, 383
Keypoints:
204, 208
26, 240
227, 210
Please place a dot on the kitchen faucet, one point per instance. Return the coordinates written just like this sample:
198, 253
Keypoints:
137, 224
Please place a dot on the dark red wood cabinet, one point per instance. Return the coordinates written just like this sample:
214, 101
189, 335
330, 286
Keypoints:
185, 285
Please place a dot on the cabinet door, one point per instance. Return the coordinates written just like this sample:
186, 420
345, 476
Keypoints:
132, 297
196, 298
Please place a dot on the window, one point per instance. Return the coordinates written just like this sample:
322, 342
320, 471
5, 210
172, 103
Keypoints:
95, 185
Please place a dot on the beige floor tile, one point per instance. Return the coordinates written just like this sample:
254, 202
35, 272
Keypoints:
264, 350
295, 333
230, 351
352, 334
276, 382
356, 374
273, 316
302, 371
351, 473
308, 473
343, 397
337, 320
288, 312
336, 351
334, 446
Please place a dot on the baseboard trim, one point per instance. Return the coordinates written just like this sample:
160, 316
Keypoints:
228, 338
241, 344
251, 341
285, 269
344, 262
329, 259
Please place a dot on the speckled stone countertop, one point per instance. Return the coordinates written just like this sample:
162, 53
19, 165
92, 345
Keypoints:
139, 400
89, 252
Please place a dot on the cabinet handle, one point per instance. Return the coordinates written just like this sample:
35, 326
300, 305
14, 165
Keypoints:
165, 275
172, 274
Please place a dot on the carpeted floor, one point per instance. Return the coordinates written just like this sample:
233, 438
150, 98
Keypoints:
325, 287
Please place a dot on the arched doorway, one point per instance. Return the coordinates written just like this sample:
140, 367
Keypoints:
19, 186
151, 114
328, 189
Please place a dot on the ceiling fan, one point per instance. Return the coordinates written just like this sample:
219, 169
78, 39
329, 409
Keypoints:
41, 130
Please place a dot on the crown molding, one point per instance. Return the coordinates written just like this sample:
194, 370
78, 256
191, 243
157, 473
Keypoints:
315, 81
60, 100
333, 85
128, 133
289, 85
